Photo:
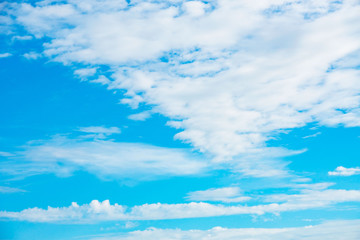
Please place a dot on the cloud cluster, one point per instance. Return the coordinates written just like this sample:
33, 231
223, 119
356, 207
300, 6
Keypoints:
342, 171
230, 74
331, 230
103, 211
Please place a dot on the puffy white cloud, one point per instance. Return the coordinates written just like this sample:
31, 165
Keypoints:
226, 194
342, 171
103, 211
230, 74
332, 230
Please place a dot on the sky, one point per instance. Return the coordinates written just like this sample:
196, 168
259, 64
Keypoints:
169, 119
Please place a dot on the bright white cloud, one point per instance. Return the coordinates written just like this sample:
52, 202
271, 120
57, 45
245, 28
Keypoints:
342, 171
62, 156
333, 230
230, 74
103, 211
227, 194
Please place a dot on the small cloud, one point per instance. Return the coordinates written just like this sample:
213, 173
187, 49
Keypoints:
345, 172
32, 55
312, 135
227, 194
102, 80
100, 130
140, 116
21, 38
85, 72
129, 225
5, 55
10, 190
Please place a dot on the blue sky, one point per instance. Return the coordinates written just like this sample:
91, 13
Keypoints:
179, 119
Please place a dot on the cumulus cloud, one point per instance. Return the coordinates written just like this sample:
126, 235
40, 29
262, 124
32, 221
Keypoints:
103, 211
63, 155
342, 171
348, 230
227, 194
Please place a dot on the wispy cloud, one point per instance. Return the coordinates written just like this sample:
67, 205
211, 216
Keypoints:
4, 189
348, 230
227, 194
342, 171
312, 135
99, 131
62, 156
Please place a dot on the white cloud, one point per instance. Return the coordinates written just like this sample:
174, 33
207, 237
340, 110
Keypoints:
5, 55
98, 132
132, 162
332, 230
22, 38
100, 129
230, 74
312, 135
103, 211
316, 197
32, 55
85, 72
4, 189
142, 116
342, 171
227, 194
